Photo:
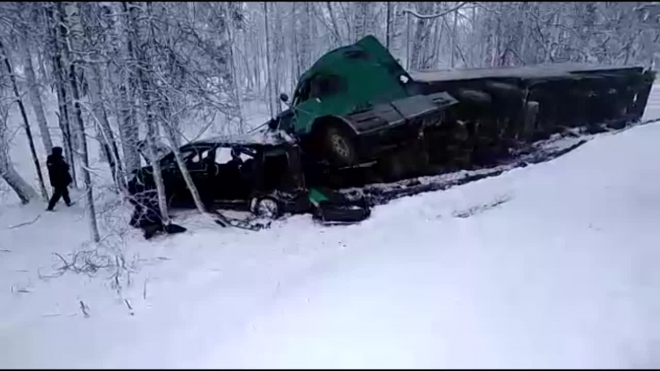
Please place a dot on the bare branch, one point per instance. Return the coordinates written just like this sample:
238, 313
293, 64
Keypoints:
26, 223
432, 16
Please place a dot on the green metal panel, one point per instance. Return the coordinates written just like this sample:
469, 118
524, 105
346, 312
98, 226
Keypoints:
365, 73
316, 196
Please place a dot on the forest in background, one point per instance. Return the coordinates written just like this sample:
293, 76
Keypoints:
122, 73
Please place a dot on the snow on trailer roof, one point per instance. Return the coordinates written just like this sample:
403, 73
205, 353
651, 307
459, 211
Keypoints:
525, 72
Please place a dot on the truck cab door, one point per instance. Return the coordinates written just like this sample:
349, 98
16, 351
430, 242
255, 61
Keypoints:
305, 108
319, 97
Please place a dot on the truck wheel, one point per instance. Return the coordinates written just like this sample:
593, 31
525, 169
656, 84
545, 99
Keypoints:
338, 145
404, 163
266, 207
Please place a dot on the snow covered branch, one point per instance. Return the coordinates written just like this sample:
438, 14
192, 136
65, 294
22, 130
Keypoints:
433, 16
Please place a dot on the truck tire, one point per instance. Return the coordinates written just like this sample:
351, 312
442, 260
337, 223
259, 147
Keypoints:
410, 161
338, 145
266, 207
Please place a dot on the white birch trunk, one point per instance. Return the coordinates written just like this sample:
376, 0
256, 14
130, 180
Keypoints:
72, 18
269, 66
128, 128
26, 123
152, 130
305, 35
106, 137
333, 20
7, 172
361, 15
61, 87
35, 97
173, 138
234, 74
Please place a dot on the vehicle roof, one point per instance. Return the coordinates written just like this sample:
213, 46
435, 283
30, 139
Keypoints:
260, 139
525, 72
369, 44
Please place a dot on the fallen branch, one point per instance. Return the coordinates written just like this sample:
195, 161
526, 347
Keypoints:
84, 308
24, 224
481, 208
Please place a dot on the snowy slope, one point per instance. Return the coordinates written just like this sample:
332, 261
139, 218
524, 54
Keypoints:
553, 265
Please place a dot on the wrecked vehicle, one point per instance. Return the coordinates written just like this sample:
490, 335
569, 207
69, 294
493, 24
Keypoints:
357, 117
356, 107
259, 172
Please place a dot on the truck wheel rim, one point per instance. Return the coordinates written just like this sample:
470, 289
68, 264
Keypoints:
267, 208
340, 145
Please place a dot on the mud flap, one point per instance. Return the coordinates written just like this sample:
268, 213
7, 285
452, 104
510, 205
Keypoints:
333, 208
339, 215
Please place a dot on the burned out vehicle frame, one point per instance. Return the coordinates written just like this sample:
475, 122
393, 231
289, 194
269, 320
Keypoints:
269, 182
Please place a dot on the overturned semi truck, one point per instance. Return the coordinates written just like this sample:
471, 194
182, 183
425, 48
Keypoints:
503, 105
356, 111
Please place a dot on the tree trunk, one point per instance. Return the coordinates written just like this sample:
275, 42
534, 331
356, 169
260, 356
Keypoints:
333, 20
305, 35
407, 41
173, 138
388, 24
61, 89
361, 19
75, 136
7, 172
278, 49
234, 74
293, 52
35, 97
152, 131
72, 19
107, 138
453, 38
437, 38
128, 128
26, 123
269, 67
421, 37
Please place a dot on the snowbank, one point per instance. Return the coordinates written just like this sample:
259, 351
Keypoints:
553, 265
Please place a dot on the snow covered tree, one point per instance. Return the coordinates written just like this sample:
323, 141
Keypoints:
73, 33
7, 171
26, 124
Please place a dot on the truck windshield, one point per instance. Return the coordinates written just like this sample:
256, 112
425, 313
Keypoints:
302, 93
319, 86
324, 86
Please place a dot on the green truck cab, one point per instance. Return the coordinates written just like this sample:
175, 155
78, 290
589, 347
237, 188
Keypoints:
357, 103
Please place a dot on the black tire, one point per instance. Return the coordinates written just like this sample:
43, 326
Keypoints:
267, 207
338, 145
412, 160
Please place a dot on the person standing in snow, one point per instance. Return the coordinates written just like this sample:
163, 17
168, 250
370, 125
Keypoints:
58, 171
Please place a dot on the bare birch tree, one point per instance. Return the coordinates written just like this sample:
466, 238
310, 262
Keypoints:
72, 36
26, 123
7, 172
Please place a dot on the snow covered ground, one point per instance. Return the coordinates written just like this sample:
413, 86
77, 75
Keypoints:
552, 265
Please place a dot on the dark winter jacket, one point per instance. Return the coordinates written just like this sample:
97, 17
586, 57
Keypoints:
58, 169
